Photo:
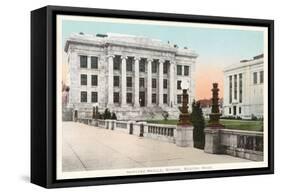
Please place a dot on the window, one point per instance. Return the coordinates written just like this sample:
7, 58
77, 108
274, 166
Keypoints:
165, 83
94, 97
165, 98
240, 110
179, 70
229, 110
83, 61
129, 82
142, 65
117, 62
94, 62
83, 97
240, 87
261, 77
186, 70
83, 79
235, 87
116, 81
154, 66
179, 84
129, 64
165, 67
230, 89
129, 98
116, 97
255, 77
179, 99
94, 80
154, 83
141, 82
154, 98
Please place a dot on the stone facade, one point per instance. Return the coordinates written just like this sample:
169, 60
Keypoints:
243, 89
135, 77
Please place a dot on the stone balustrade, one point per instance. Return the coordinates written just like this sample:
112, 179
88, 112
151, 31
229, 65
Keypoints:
238, 143
161, 132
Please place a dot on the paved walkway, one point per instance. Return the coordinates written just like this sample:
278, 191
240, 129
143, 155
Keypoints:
92, 148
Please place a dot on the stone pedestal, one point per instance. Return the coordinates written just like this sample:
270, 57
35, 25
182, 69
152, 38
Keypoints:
212, 140
184, 136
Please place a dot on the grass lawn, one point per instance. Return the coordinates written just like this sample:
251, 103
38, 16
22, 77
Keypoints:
228, 123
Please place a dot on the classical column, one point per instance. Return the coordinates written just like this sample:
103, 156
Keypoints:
160, 96
149, 84
136, 88
110, 80
171, 84
123, 82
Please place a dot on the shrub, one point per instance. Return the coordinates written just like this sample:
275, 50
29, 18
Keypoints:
198, 122
113, 116
165, 115
106, 114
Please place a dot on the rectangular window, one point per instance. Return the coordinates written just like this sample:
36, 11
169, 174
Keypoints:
83, 97
154, 98
179, 70
116, 81
129, 98
94, 62
255, 77
186, 70
240, 110
235, 87
83, 61
230, 89
116, 97
165, 67
154, 83
165, 98
129, 82
165, 83
83, 79
229, 110
142, 65
240, 87
117, 62
94, 97
154, 66
94, 80
261, 77
141, 82
129, 64
179, 99
179, 84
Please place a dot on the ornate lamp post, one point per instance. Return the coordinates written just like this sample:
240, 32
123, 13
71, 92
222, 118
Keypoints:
184, 118
212, 131
184, 137
214, 121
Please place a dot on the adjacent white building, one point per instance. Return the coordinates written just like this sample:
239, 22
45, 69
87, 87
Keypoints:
243, 88
135, 77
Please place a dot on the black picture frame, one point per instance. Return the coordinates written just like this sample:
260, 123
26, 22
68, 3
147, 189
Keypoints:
43, 95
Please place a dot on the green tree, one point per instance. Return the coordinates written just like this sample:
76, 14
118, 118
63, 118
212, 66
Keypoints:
113, 116
106, 114
198, 122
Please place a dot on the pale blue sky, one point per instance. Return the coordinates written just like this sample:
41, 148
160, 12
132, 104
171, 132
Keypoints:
207, 42
217, 48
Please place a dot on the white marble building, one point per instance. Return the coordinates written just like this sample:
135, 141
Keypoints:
135, 77
243, 88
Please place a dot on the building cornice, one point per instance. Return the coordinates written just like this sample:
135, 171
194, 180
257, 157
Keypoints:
108, 42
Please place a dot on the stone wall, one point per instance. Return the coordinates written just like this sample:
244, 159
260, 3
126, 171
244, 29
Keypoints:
238, 143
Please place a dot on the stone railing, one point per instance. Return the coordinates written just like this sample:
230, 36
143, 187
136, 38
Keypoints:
238, 143
161, 132
154, 131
